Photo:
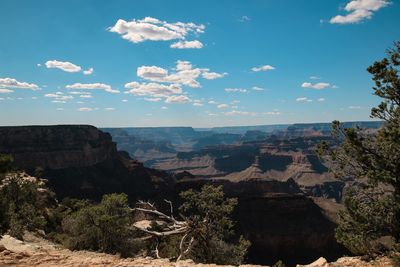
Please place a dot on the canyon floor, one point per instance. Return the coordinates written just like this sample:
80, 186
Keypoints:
36, 251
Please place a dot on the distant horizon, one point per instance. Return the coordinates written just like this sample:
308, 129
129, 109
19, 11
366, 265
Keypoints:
183, 126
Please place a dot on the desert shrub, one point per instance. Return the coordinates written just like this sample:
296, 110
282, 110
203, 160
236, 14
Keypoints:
208, 213
24, 204
103, 227
367, 217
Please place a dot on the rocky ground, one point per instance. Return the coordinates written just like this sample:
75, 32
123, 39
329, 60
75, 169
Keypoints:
35, 251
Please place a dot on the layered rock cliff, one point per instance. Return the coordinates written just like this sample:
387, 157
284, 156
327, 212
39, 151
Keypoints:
79, 161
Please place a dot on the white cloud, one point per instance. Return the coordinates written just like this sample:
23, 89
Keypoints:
235, 90
263, 68
156, 99
238, 112
244, 19
222, 106
89, 71
13, 83
5, 91
256, 88
303, 99
272, 113
38, 65
198, 104
59, 97
92, 86
164, 108
63, 65
185, 74
321, 99
79, 93
235, 102
317, 86
354, 107
212, 102
109, 109
177, 99
86, 96
124, 100
153, 89
213, 75
85, 109
359, 10
187, 44
314, 78
153, 29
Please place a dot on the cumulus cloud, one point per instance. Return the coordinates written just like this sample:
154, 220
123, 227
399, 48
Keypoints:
89, 71
321, 99
13, 83
92, 86
197, 104
213, 75
244, 19
152, 29
272, 113
5, 91
238, 112
184, 74
303, 99
317, 86
85, 96
155, 99
212, 102
235, 90
85, 109
187, 44
222, 106
164, 108
63, 65
177, 99
262, 68
256, 88
153, 89
359, 10
59, 97
109, 109
354, 107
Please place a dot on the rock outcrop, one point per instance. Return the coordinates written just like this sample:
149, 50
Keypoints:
79, 161
36, 251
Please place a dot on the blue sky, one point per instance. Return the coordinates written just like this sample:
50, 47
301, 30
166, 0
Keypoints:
190, 63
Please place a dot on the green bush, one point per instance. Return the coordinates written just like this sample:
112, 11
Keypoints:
25, 204
103, 227
208, 213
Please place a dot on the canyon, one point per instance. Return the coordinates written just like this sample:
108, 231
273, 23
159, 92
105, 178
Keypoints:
287, 199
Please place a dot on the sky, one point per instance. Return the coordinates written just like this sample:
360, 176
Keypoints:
202, 63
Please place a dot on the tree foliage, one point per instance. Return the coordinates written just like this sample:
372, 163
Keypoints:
373, 158
208, 214
24, 201
102, 227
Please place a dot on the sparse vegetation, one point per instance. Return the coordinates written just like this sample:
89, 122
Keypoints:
372, 208
24, 201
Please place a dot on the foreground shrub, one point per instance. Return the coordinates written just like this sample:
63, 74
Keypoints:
103, 227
